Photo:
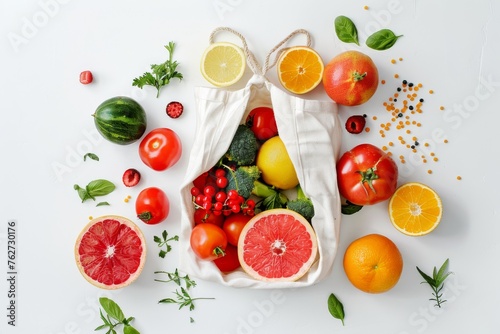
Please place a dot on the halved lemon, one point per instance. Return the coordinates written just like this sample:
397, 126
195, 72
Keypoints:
415, 209
300, 69
223, 64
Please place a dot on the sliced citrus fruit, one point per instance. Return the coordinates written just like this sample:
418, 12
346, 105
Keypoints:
223, 64
110, 252
275, 164
373, 263
415, 209
300, 69
277, 245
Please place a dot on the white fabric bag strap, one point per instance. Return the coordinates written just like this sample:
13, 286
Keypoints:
279, 50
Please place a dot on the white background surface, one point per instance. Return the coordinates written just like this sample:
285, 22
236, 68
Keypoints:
449, 46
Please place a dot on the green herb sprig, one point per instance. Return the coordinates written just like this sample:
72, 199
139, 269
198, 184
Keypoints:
182, 299
114, 317
94, 188
436, 282
164, 241
336, 308
176, 278
160, 74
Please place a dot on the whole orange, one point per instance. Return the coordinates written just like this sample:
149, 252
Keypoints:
350, 78
373, 263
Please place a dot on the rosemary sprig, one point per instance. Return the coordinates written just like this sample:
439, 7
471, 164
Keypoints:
436, 282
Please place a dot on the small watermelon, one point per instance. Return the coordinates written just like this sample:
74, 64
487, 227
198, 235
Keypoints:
121, 120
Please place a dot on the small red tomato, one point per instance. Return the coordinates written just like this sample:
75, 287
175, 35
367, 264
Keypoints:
355, 124
208, 241
202, 216
262, 122
230, 261
152, 205
366, 175
233, 225
160, 149
86, 77
131, 177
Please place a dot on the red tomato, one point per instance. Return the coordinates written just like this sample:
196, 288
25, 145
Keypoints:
86, 77
366, 175
160, 149
233, 225
201, 216
152, 206
350, 78
230, 261
208, 241
262, 122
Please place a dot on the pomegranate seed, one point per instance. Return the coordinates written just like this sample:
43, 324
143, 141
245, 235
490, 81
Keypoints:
86, 77
174, 109
131, 177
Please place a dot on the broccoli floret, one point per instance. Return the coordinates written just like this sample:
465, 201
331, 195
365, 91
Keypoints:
302, 205
244, 146
271, 198
242, 179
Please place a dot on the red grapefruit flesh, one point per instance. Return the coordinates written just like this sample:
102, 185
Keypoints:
110, 252
277, 245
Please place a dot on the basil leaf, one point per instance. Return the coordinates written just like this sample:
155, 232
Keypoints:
346, 30
82, 193
91, 156
382, 40
127, 329
102, 203
350, 208
111, 308
100, 187
336, 308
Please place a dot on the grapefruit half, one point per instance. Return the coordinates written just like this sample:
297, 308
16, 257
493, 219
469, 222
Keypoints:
110, 252
277, 245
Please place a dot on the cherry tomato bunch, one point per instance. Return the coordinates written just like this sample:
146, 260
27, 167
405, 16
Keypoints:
209, 193
219, 218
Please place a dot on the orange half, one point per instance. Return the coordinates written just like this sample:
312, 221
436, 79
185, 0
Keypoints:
300, 69
415, 209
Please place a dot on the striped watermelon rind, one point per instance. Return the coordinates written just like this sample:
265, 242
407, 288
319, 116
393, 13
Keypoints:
121, 120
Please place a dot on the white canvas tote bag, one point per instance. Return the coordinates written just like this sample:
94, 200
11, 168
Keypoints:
311, 132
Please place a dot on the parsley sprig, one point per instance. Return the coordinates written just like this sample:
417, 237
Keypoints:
164, 241
436, 282
160, 74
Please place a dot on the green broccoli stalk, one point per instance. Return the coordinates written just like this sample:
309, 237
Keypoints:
271, 198
242, 179
302, 205
243, 147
